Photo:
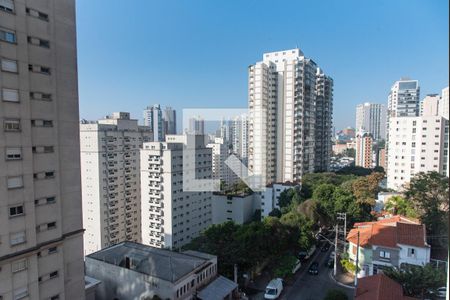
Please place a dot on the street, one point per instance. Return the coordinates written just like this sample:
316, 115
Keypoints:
311, 287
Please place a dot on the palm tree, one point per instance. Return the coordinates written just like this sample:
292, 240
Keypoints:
398, 205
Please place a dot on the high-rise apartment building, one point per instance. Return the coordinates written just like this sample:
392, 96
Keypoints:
444, 103
240, 137
171, 216
111, 180
403, 100
416, 144
324, 120
283, 91
364, 154
220, 153
429, 106
153, 118
196, 125
41, 231
170, 120
371, 117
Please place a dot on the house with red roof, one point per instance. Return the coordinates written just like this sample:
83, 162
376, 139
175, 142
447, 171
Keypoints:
389, 242
379, 287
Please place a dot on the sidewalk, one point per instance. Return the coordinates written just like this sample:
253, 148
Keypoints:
343, 278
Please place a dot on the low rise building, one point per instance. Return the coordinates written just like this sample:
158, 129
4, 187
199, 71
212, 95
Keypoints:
134, 271
364, 156
390, 242
239, 208
271, 194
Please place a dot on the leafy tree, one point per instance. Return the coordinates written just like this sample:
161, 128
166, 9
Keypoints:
417, 281
354, 170
256, 216
323, 194
398, 205
366, 188
285, 266
429, 194
335, 295
288, 197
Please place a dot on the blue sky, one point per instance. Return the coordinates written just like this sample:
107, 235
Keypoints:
192, 53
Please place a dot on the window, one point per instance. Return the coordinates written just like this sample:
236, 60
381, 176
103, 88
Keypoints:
7, 5
11, 125
10, 95
18, 266
52, 250
13, 153
40, 96
411, 252
20, 293
56, 297
42, 123
36, 13
39, 69
16, 211
17, 238
385, 254
7, 36
9, 65
53, 274
38, 42
15, 182
51, 225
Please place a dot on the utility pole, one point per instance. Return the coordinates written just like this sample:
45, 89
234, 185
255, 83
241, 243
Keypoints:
235, 273
343, 217
357, 262
335, 249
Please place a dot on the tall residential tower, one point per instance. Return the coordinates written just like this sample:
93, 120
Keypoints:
287, 94
371, 118
110, 179
41, 231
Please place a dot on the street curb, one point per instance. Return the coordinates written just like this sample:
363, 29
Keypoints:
339, 283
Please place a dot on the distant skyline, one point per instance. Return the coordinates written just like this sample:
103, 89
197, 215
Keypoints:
188, 54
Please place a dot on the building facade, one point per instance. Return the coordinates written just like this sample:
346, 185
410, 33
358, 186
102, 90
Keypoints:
239, 208
371, 117
403, 99
416, 144
170, 120
111, 180
364, 153
170, 216
41, 231
240, 138
153, 118
392, 242
270, 196
282, 94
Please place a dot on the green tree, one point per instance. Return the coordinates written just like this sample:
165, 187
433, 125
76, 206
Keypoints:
429, 194
275, 213
417, 281
323, 194
335, 295
398, 205
284, 266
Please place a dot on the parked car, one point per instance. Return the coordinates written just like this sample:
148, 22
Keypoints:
306, 254
274, 289
325, 247
297, 266
330, 263
314, 268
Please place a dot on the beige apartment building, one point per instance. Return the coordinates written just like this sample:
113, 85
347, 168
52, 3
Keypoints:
41, 232
110, 180
171, 216
290, 116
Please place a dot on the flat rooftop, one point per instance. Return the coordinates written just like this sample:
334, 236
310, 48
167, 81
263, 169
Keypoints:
160, 263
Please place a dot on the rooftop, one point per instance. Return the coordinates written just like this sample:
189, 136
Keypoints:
379, 287
160, 263
389, 233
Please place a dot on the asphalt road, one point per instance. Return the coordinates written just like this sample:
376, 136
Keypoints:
311, 287
314, 287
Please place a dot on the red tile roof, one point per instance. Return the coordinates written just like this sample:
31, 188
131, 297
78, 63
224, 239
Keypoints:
389, 233
379, 287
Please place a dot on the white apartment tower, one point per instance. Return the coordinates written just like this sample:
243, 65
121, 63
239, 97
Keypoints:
220, 153
417, 144
283, 92
170, 216
371, 117
111, 180
41, 231
240, 137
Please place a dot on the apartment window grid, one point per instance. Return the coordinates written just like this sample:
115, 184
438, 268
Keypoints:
7, 35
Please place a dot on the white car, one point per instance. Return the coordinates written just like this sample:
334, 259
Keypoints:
274, 289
